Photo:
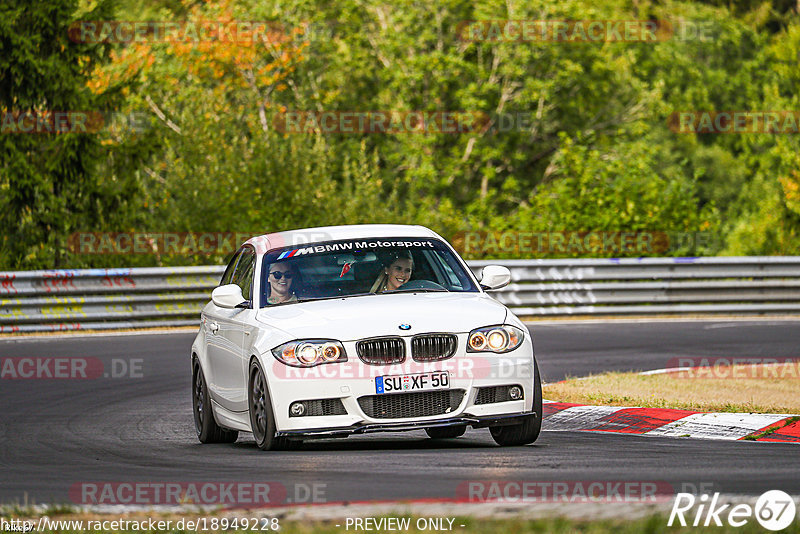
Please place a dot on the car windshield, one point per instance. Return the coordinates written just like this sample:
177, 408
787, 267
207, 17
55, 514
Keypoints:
361, 267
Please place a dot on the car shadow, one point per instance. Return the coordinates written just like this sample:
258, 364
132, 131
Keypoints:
383, 443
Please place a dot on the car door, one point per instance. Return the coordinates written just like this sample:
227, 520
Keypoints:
214, 346
225, 338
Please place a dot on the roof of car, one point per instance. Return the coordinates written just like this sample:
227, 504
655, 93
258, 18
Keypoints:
320, 234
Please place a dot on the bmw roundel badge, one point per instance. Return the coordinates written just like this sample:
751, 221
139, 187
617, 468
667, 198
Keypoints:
405, 327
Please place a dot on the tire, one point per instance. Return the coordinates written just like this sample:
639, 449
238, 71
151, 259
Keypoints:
446, 432
528, 431
262, 417
208, 431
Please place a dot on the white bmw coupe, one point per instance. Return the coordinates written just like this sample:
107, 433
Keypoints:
327, 332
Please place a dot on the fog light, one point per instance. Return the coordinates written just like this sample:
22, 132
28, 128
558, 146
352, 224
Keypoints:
297, 409
515, 392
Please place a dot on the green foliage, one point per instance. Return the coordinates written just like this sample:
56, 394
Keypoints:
591, 148
50, 183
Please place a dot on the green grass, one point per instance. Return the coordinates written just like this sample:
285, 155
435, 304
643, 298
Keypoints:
17, 509
718, 389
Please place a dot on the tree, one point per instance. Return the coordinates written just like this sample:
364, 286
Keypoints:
49, 182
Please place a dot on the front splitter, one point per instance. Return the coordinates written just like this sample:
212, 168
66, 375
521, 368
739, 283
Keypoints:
367, 428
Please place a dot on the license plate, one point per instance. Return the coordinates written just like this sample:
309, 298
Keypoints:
419, 382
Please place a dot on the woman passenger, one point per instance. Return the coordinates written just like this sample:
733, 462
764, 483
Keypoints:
281, 277
395, 274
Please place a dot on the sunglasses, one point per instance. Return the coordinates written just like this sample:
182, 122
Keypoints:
278, 275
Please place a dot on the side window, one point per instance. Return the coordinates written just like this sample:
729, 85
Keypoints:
243, 275
228, 276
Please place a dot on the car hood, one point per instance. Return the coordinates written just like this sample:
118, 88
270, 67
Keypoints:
348, 319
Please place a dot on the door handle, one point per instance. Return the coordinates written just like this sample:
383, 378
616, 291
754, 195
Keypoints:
214, 327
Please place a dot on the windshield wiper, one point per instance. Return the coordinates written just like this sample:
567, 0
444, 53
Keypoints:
416, 290
410, 290
312, 299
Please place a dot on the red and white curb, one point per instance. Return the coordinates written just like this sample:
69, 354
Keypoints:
565, 416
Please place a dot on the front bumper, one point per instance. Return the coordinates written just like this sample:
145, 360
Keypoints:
353, 380
367, 428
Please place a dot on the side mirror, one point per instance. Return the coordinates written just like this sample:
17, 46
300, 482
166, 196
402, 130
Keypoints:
495, 277
228, 296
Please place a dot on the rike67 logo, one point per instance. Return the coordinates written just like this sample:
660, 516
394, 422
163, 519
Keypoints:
774, 510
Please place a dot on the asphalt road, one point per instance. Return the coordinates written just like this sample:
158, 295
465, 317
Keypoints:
58, 434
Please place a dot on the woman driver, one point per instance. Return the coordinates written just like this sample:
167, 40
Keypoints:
281, 276
395, 274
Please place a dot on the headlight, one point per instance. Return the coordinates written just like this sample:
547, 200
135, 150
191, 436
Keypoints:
501, 338
310, 352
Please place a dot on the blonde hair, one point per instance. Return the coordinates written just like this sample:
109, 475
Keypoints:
383, 278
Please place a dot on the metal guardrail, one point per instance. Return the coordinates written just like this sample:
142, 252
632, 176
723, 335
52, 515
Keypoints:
645, 286
95, 299
98, 299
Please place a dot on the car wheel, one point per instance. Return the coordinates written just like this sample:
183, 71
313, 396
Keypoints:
527, 431
208, 431
446, 432
262, 418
